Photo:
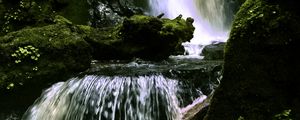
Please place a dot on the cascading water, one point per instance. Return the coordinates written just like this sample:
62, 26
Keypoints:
208, 15
131, 96
151, 97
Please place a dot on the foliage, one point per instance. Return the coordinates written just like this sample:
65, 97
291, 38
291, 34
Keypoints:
41, 55
26, 53
241, 118
10, 86
285, 115
25, 13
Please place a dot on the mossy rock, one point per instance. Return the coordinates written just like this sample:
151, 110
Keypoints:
154, 38
42, 55
106, 44
145, 37
261, 66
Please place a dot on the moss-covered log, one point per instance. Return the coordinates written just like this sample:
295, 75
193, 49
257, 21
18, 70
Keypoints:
155, 38
144, 37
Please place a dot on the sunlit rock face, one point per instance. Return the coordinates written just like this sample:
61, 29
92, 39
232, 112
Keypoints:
261, 68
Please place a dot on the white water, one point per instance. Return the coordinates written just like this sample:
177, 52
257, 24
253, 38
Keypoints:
109, 98
208, 17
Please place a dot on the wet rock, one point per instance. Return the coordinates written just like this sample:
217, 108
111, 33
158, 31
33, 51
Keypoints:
214, 51
261, 67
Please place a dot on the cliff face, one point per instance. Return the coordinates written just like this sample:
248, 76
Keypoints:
260, 71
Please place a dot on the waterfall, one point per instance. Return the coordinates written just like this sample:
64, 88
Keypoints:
93, 97
209, 19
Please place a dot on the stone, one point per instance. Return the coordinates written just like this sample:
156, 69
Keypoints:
261, 66
152, 38
214, 51
41, 55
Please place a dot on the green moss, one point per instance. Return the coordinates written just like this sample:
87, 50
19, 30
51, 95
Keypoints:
260, 64
35, 55
143, 33
140, 18
61, 20
85, 29
24, 13
177, 27
284, 115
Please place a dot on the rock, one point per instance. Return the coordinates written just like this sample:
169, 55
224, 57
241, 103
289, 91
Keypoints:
261, 66
213, 51
34, 58
106, 45
139, 36
207, 77
152, 38
144, 37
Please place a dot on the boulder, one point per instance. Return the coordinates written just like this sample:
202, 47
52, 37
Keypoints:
145, 37
213, 51
105, 43
154, 38
261, 66
34, 58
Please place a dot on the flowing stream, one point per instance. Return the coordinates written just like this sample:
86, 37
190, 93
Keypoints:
95, 97
132, 91
141, 90
209, 19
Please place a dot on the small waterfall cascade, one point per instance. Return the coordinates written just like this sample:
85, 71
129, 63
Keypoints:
94, 97
209, 19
